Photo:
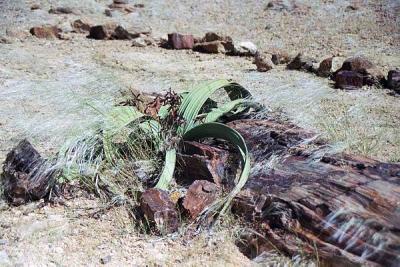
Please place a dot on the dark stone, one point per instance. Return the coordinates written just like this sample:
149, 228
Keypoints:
280, 57
301, 62
180, 41
360, 64
102, 32
26, 175
393, 80
62, 10
200, 195
105, 259
81, 26
159, 210
120, 33
348, 80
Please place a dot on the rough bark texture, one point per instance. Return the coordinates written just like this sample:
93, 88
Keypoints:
299, 197
25, 175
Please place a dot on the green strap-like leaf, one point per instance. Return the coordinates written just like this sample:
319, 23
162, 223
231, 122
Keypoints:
168, 170
221, 131
194, 101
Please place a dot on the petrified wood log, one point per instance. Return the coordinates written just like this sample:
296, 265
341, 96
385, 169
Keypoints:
304, 200
26, 175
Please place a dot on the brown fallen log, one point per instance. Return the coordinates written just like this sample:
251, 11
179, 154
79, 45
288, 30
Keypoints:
301, 199
26, 175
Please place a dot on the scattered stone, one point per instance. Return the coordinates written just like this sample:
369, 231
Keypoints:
301, 62
125, 8
35, 6
348, 80
142, 41
360, 64
120, 33
280, 57
47, 32
160, 210
105, 259
245, 49
62, 10
139, 5
325, 67
212, 36
108, 12
200, 195
393, 80
81, 26
288, 6
214, 47
263, 62
180, 41
102, 32
26, 175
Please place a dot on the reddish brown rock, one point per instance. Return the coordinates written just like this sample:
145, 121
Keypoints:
35, 6
47, 32
120, 33
203, 162
180, 41
263, 62
200, 195
325, 67
348, 80
393, 80
81, 26
212, 36
301, 62
360, 64
214, 47
159, 210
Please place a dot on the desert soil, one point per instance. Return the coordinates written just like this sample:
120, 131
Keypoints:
49, 88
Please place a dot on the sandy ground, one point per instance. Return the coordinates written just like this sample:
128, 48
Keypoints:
48, 90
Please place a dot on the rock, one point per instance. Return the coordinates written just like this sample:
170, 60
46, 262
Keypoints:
125, 8
102, 32
35, 6
280, 57
120, 33
301, 62
26, 175
180, 41
62, 10
47, 32
393, 80
212, 36
325, 67
81, 25
3, 242
360, 64
200, 195
121, 1
288, 6
108, 12
214, 47
203, 162
105, 259
348, 80
245, 49
160, 210
263, 63
142, 41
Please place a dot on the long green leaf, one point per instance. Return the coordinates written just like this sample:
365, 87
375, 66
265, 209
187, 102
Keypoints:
194, 101
168, 170
221, 131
